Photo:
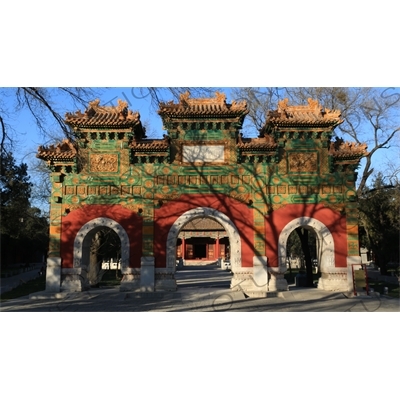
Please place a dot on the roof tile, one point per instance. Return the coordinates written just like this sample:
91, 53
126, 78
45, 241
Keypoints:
213, 107
312, 114
104, 116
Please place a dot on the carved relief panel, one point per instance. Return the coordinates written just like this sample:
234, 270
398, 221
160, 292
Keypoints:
303, 162
103, 162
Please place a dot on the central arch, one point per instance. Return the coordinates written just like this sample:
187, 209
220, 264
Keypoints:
325, 242
205, 212
85, 235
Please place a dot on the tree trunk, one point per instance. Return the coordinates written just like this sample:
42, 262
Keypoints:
94, 264
303, 236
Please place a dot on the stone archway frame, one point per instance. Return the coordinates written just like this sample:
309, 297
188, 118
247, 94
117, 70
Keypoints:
205, 212
92, 227
325, 243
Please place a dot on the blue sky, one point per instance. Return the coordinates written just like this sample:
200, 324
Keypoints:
138, 100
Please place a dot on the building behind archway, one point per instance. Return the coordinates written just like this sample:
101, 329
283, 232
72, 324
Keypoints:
254, 191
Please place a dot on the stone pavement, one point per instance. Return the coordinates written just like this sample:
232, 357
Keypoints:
202, 289
202, 299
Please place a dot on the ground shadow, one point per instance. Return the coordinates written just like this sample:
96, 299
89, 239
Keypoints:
204, 275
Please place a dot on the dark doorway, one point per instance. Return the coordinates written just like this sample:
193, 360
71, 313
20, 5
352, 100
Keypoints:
200, 250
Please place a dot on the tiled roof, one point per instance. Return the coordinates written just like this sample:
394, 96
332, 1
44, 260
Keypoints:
150, 145
62, 151
207, 107
312, 114
104, 116
202, 224
341, 150
254, 144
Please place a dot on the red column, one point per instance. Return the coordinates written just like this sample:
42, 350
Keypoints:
217, 250
183, 251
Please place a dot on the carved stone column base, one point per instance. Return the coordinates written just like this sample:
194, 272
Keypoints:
245, 282
277, 282
74, 280
334, 281
147, 277
130, 281
53, 274
165, 281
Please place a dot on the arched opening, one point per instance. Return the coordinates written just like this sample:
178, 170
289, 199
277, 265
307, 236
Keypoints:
202, 240
200, 250
321, 244
97, 242
302, 259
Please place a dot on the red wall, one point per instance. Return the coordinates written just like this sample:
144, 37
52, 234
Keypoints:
77, 218
334, 221
240, 215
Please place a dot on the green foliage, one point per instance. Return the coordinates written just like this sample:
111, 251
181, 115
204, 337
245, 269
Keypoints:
380, 221
15, 190
24, 231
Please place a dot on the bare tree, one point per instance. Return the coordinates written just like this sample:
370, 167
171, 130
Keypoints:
370, 115
47, 107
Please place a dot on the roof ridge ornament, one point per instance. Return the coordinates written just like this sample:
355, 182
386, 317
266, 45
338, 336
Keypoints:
203, 107
98, 115
340, 148
312, 114
185, 100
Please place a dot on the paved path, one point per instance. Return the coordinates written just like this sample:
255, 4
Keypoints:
203, 289
12, 282
108, 300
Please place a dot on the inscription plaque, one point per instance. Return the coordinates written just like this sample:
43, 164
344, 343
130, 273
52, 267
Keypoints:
203, 154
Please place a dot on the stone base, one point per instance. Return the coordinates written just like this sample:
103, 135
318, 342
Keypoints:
130, 282
278, 285
277, 282
256, 294
53, 274
74, 280
244, 281
72, 285
335, 282
147, 277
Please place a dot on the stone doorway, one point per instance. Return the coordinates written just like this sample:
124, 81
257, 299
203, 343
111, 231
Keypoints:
206, 268
83, 246
202, 240
324, 246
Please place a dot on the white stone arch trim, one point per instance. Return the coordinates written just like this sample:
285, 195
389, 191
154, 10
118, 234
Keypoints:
95, 224
205, 212
325, 242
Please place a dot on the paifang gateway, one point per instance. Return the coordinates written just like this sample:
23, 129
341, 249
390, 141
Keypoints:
203, 192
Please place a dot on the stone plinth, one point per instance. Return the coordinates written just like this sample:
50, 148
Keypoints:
130, 280
147, 271
334, 281
53, 274
74, 279
277, 283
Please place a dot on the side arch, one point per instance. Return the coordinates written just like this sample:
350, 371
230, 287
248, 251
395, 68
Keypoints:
84, 237
205, 212
325, 242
